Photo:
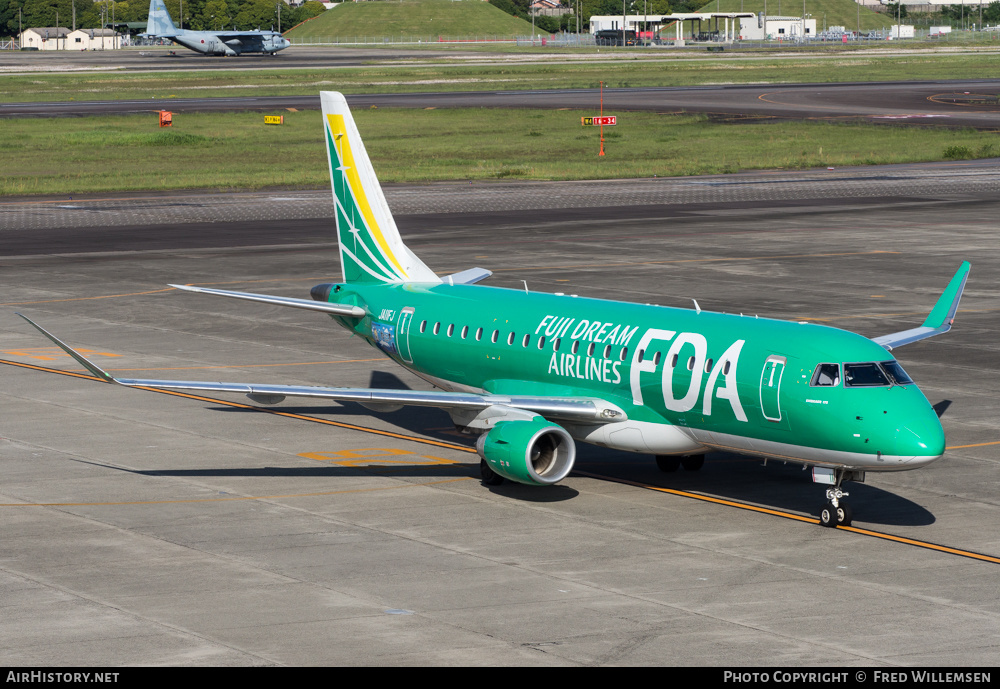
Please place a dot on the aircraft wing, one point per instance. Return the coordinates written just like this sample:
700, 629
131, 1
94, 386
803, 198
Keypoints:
578, 409
941, 316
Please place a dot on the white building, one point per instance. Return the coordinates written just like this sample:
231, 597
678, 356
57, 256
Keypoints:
93, 39
777, 28
679, 26
44, 38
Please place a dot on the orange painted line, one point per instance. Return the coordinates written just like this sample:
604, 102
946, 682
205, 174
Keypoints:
107, 296
200, 368
923, 544
797, 517
671, 491
703, 498
230, 499
959, 447
237, 405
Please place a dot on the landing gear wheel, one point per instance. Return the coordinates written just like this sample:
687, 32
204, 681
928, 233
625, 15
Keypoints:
693, 463
836, 512
844, 514
828, 515
490, 477
836, 515
668, 463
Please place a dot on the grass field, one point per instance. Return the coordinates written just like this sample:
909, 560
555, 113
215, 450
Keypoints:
846, 13
412, 18
237, 151
627, 71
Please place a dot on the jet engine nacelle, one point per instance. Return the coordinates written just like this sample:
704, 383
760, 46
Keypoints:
535, 452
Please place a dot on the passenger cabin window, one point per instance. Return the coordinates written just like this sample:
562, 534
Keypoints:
826, 375
607, 351
555, 345
465, 331
496, 336
423, 326
451, 329
864, 375
510, 339
624, 354
479, 335
437, 328
526, 341
541, 341
590, 349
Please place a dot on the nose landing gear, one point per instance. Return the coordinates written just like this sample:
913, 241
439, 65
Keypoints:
836, 512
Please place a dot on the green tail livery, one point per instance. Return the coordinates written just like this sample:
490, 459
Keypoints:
533, 374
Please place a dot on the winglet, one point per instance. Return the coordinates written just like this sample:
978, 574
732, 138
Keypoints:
941, 317
944, 311
86, 363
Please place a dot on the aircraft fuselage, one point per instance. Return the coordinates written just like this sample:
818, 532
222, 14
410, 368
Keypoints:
688, 381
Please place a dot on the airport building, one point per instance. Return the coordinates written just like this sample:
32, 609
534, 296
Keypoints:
61, 38
94, 39
725, 27
44, 38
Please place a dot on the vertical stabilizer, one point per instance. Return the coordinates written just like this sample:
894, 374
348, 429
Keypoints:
371, 249
159, 22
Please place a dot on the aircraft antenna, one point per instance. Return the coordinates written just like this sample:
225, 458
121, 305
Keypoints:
696, 307
525, 286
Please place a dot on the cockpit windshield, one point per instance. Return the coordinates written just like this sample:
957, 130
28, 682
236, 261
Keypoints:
875, 374
865, 375
897, 373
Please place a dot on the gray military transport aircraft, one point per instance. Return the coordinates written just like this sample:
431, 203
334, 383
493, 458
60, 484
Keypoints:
160, 25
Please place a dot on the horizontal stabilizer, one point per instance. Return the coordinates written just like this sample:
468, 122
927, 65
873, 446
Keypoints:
939, 320
347, 310
467, 277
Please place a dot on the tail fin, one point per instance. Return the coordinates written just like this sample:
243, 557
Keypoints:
371, 249
159, 22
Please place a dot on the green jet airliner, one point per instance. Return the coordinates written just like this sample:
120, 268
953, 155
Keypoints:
533, 373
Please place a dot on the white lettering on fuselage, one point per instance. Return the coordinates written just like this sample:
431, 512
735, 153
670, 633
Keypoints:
726, 367
588, 367
606, 370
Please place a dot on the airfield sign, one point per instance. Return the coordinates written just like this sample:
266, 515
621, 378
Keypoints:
608, 121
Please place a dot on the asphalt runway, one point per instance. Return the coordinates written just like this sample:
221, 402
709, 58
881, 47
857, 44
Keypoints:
150, 528
946, 103
176, 58
963, 104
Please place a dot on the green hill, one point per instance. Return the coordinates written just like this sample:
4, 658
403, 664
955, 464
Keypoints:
826, 12
430, 18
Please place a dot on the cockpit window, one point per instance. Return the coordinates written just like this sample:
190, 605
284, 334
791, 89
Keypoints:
865, 375
826, 375
897, 373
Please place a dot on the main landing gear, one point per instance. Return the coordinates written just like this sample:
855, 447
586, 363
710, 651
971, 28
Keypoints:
836, 512
671, 463
490, 477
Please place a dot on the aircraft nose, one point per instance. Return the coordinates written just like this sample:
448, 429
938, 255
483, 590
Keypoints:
921, 438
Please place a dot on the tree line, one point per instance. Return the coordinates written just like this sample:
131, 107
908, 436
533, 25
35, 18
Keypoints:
200, 15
